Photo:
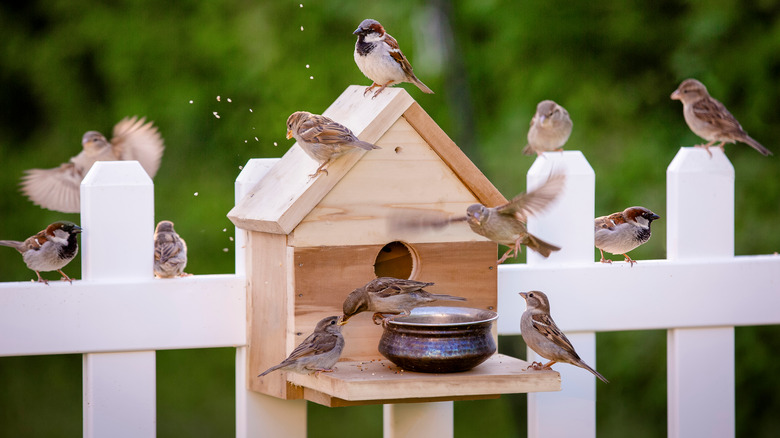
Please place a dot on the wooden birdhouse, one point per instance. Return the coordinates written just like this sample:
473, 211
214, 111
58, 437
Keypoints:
314, 240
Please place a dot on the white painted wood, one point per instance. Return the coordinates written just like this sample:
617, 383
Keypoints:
117, 195
153, 314
119, 395
259, 415
700, 376
702, 291
418, 420
568, 223
250, 175
700, 192
119, 388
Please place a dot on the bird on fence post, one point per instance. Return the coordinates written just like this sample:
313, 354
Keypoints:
318, 353
170, 252
709, 119
623, 231
58, 188
543, 336
550, 128
390, 295
50, 249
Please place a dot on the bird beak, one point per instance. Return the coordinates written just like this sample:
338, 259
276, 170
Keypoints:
77, 229
676, 95
524, 295
289, 134
357, 31
343, 320
655, 216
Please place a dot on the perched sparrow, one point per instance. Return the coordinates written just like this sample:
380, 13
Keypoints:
58, 188
623, 231
550, 128
390, 295
49, 250
170, 251
378, 56
543, 336
709, 119
318, 352
322, 138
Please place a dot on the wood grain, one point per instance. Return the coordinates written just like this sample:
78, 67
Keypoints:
381, 380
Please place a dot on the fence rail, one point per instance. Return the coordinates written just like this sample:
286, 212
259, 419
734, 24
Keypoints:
118, 315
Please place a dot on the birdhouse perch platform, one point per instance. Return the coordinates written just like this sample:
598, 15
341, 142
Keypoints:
311, 241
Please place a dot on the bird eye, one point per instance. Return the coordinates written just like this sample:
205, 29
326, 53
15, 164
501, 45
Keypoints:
531, 294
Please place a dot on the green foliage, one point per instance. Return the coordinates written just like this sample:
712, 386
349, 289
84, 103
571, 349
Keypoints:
67, 67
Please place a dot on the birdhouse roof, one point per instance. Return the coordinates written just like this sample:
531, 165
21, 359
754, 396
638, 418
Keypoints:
286, 194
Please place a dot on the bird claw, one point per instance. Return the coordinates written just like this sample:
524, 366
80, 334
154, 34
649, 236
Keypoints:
536, 366
603, 260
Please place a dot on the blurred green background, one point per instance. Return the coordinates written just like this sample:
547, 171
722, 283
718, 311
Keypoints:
72, 66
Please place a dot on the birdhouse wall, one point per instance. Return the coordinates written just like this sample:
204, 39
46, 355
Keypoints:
292, 288
405, 177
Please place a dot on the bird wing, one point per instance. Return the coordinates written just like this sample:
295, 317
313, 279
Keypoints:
315, 343
320, 129
610, 222
395, 52
385, 287
166, 249
545, 325
715, 113
136, 139
55, 189
535, 201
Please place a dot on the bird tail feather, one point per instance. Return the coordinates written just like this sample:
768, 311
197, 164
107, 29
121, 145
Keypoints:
421, 86
365, 145
582, 364
444, 297
539, 245
757, 146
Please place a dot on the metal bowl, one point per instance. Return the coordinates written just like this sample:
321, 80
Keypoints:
439, 339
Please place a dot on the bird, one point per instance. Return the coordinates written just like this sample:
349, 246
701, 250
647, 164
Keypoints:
623, 231
49, 250
323, 139
319, 352
379, 58
58, 188
543, 336
550, 128
709, 119
504, 224
390, 295
170, 251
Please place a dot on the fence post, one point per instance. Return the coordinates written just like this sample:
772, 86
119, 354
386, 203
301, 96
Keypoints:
568, 223
259, 414
700, 210
418, 420
117, 215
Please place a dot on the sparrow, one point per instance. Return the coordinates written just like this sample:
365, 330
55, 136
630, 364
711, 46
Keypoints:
379, 58
709, 119
543, 336
58, 188
322, 138
49, 250
390, 295
318, 352
623, 231
170, 251
550, 128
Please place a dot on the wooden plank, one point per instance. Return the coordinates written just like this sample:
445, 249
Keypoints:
403, 183
467, 171
324, 276
335, 402
286, 194
269, 319
156, 314
380, 380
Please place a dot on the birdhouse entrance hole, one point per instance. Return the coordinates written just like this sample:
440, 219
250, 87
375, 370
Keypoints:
396, 259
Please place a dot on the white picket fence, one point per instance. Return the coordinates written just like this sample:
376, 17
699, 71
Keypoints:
118, 315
